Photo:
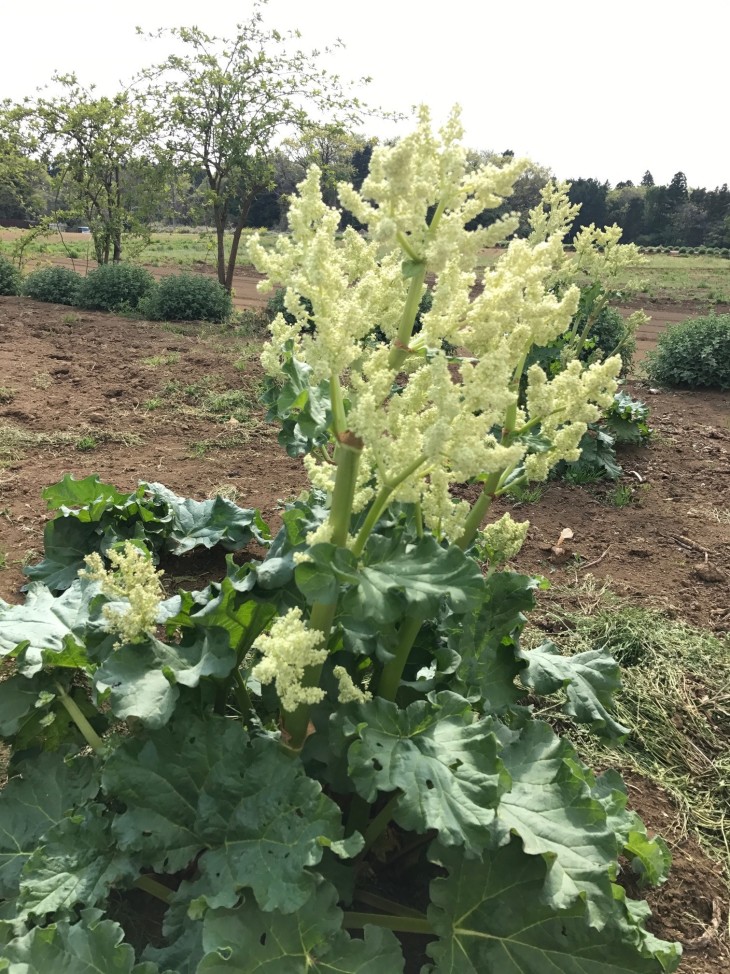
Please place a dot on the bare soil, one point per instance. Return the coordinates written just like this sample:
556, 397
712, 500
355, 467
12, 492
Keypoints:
70, 378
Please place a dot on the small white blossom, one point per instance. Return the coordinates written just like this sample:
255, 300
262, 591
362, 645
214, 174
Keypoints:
503, 539
132, 579
288, 649
348, 691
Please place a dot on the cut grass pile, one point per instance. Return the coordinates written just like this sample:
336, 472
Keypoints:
675, 698
15, 442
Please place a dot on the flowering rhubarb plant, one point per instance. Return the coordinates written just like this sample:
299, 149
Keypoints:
331, 760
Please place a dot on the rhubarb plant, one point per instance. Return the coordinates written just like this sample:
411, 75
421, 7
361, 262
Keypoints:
337, 744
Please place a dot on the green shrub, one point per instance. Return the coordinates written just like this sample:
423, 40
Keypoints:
115, 287
610, 334
9, 277
59, 285
695, 353
724, 252
187, 297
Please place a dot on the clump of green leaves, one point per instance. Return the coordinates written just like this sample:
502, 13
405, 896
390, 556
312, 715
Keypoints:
187, 297
115, 287
694, 353
57, 285
9, 277
627, 420
611, 335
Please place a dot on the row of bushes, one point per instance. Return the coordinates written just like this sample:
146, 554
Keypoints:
123, 288
689, 251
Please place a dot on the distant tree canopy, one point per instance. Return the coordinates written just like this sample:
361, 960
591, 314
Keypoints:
222, 132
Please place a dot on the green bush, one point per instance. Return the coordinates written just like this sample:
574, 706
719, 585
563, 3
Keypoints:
610, 334
9, 277
58, 285
695, 353
115, 287
187, 297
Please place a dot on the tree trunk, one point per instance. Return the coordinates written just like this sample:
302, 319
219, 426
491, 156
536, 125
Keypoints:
219, 218
242, 218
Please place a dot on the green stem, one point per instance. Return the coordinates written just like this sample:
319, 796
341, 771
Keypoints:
386, 905
381, 502
322, 615
399, 349
357, 816
400, 924
245, 704
74, 712
380, 823
151, 886
393, 670
339, 418
478, 511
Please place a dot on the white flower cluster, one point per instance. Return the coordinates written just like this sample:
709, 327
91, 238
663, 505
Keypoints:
134, 580
439, 427
502, 539
288, 648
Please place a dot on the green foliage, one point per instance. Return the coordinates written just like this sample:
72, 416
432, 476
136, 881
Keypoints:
627, 420
527, 837
58, 285
9, 277
609, 334
695, 353
186, 297
115, 287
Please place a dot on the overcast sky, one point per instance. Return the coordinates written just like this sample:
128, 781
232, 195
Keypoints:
605, 89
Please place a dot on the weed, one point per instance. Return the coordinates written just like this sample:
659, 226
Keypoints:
621, 496
170, 358
228, 405
6, 394
3, 559
525, 495
155, 403
86, 443
42, 380
70, 319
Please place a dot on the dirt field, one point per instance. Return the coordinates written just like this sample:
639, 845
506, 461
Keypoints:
91, 393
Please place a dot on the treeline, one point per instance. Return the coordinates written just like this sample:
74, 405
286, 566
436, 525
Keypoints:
675, 215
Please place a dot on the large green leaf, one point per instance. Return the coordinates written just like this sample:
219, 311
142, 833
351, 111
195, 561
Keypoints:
590, 680
248, 941
303, 410
398, 578
443, 761
248, 807
551, 808
92, 946
239, 614
88, 492
46, 625
208, 523
77, 864
490, 919
32, 803
650, 858
141, 679
488, 640
66, 542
